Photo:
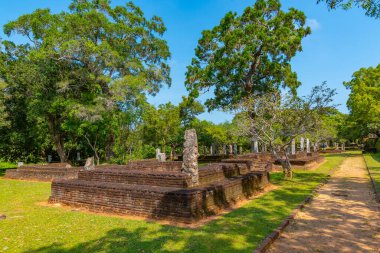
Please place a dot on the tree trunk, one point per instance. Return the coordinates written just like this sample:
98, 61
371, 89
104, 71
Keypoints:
285, 164
109, 146
53, 124
93, 147
60, 148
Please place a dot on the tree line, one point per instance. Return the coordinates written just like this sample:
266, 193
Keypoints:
81, 81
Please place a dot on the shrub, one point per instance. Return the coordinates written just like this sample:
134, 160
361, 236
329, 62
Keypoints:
378, 145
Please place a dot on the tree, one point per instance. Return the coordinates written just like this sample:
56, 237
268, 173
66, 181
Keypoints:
332, 128
23, 136
364, 101
4, 122
279, 119
371, 7
162, 126
189, 110
247, 54
92, 55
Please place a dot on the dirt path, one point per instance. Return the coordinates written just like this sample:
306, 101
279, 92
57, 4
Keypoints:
344, 217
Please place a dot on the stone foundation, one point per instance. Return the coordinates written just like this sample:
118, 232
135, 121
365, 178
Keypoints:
47, 172
143, 190
331, 151
303, 160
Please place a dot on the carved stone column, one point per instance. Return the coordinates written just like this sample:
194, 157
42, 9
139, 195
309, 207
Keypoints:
190, 156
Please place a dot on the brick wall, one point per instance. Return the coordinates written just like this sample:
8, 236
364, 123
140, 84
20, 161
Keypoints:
159, 190
186, 205
42, 174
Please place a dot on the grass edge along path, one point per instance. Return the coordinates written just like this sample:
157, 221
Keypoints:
373, 166
30, 227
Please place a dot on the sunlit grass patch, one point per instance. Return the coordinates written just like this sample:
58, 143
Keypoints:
31, 227
373, 163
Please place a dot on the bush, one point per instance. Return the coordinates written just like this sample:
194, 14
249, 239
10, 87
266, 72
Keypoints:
378, 145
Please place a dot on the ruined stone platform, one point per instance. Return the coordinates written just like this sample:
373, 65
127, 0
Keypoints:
43, 172
303, 160
208, 158
331, 151
159, 190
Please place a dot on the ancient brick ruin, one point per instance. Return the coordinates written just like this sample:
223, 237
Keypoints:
331, 151
160, 190
43, 172
303, 160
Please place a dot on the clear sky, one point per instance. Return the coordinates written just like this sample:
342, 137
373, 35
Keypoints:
341, 42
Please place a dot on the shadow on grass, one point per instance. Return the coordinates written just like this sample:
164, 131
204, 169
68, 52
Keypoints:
376, 157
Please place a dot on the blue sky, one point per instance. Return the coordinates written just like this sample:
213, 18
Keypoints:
341, 43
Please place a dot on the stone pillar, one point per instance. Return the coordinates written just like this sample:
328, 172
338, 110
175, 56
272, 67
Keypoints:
78, 156
293, 147
90, 164
211, 150
235, 149
315, 147
231, 149
162, 157
158, 152
240, 150
302, 147
49, 159
264, 148
255, 146
307, 145
190, 156
224, 150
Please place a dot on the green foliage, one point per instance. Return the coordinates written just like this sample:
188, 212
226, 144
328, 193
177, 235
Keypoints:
364, 101
52, 229
277, 118
378, 145
81, 71
189, 109
162, 126
247, 54
4, 122
209, 133
371, 7
333, 127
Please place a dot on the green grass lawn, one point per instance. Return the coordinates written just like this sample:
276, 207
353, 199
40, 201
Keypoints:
30, 227
373, 163
5, 165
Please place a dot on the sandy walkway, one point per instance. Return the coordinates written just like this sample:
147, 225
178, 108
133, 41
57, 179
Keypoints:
344, 217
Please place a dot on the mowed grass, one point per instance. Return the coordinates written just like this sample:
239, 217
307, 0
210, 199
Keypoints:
31, 227
6, 165
373, 163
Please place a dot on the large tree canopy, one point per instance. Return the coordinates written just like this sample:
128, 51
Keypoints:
88, 62
280, 118
371, 7
364, 100
247, 54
